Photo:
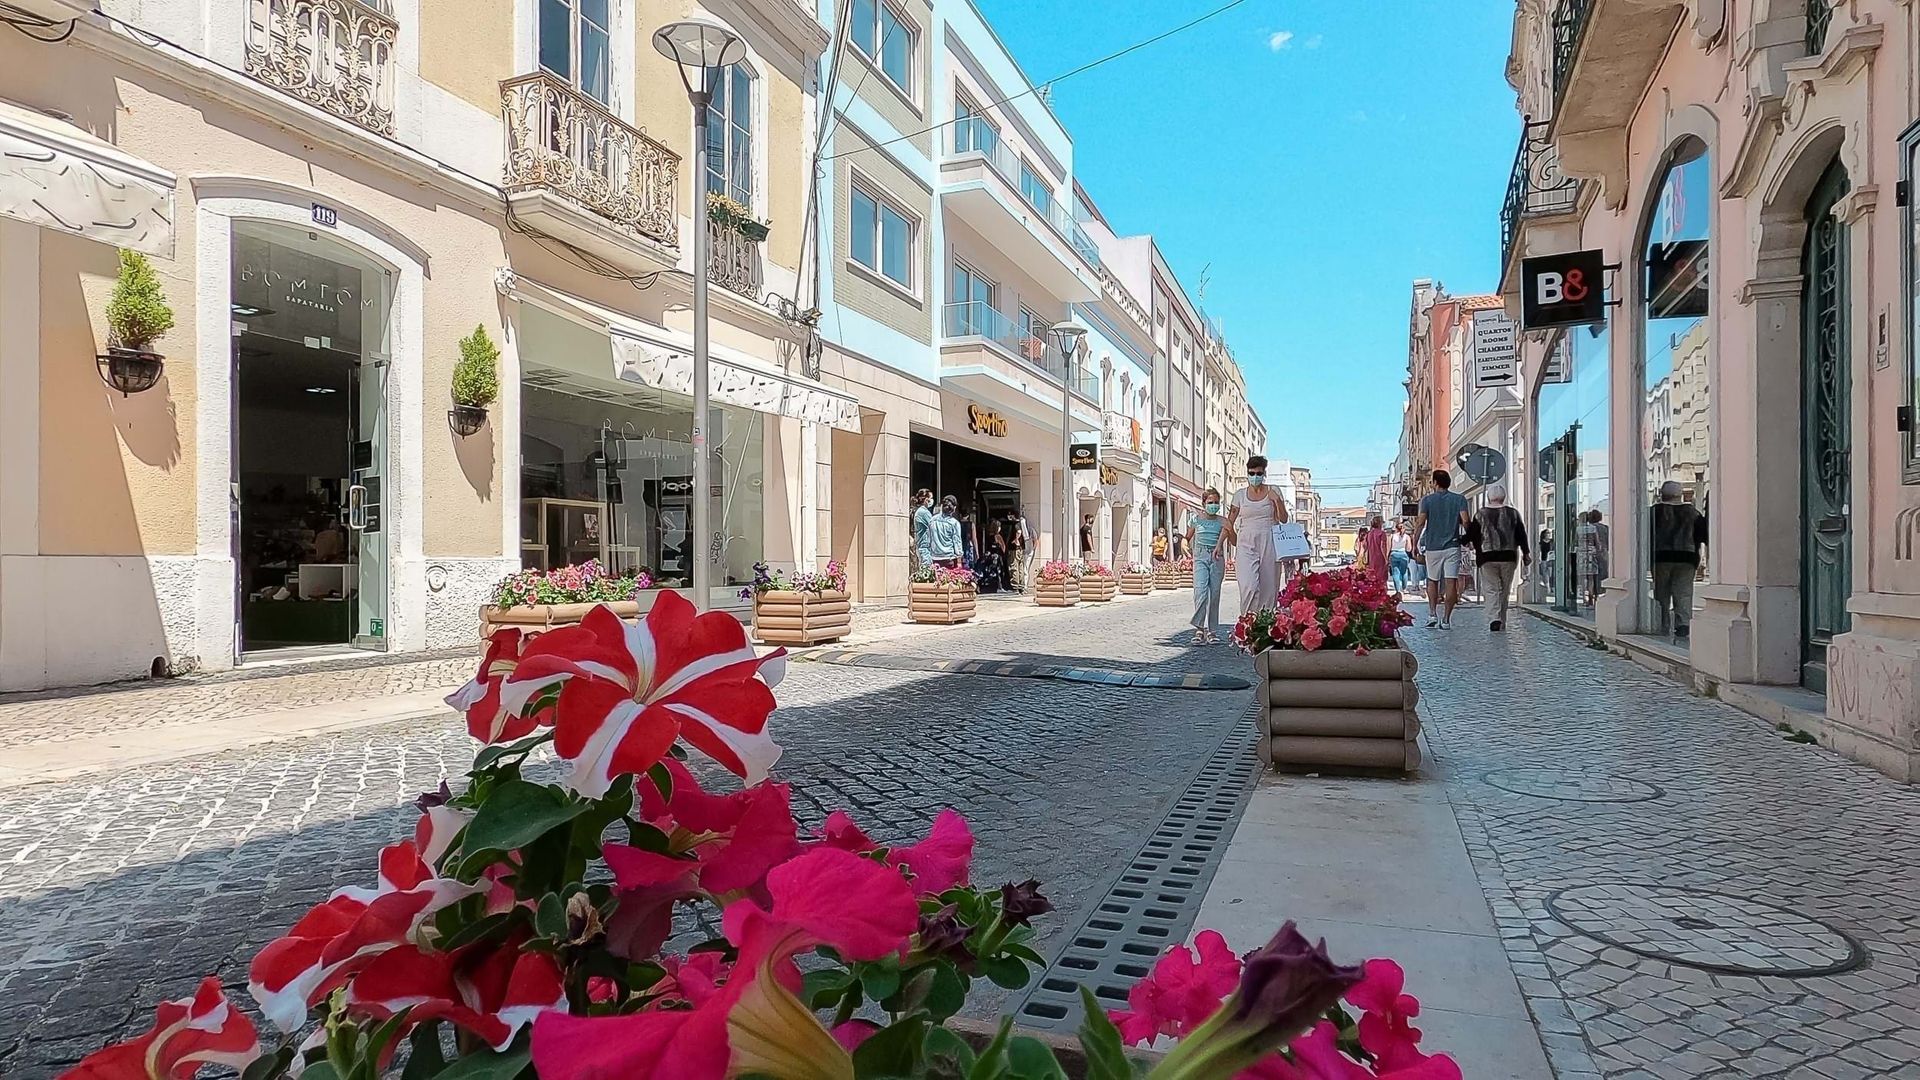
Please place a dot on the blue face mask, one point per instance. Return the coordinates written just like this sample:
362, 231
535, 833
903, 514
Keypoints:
1213, 508
1257, 480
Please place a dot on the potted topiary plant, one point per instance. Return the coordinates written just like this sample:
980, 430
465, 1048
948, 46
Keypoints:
137, 315
476, 382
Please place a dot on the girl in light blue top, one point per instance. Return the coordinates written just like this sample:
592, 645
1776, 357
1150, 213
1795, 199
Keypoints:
1209, 567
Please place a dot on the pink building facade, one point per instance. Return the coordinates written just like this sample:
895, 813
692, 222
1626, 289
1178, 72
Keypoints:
1742, 168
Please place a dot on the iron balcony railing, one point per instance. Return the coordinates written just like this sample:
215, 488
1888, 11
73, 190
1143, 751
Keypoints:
335, 54
974, 135
977, 319
1569, 24
733, 261
562, 141
1535, 187
1819, 18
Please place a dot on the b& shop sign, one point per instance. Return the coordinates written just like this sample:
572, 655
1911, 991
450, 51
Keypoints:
986, 422
1568, 289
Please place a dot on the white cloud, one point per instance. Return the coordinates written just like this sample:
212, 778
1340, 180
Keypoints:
1279, 39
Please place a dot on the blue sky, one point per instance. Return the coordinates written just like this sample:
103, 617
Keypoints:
1314, 158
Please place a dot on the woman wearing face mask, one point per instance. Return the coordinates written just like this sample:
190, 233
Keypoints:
1204, 539
1250, 521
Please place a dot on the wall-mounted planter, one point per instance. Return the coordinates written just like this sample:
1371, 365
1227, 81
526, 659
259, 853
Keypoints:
466, 419
1063, 593
801, 618
1337, 710
1135, 584
130, 371
535, 618
1098, 589
940, 604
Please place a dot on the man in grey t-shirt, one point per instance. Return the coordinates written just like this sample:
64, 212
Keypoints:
1441, 526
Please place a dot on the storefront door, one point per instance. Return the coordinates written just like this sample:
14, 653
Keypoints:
367, 524
1826, 458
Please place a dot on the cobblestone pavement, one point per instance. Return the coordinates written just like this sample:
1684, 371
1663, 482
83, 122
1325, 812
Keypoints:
121, 889
1683, 892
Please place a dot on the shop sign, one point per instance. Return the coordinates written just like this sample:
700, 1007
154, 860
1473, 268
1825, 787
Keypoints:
1568, 289
1109, 476
986, 422
1083, 455
1495, 349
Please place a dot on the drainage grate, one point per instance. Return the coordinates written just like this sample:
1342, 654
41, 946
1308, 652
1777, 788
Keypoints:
1011, 669
1153, 903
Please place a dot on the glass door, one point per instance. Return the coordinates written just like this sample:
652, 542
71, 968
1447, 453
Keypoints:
368, 524
1826, 442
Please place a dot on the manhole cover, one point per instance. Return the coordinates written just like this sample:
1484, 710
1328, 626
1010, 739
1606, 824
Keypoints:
1731, 935
1572, 785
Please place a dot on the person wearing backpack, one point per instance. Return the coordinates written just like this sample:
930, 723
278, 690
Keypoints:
1499, 541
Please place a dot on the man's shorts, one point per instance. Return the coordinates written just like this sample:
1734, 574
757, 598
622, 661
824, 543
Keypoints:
1443, 564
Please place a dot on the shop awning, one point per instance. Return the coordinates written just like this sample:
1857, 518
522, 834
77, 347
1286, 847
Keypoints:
733, 379
56, 176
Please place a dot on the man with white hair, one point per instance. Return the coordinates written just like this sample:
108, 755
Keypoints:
1499, 540
1679, 533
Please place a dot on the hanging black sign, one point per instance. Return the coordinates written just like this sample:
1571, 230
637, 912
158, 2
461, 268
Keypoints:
1568, 289
1083, 455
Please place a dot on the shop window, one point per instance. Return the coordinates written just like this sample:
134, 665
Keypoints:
1910, 272
1572, 419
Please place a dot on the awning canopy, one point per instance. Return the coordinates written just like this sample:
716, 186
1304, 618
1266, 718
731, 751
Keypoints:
56, 176
732, 379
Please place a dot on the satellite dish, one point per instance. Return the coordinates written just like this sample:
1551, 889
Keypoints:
1481, 464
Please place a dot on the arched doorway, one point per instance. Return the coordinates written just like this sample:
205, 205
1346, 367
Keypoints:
1826, 454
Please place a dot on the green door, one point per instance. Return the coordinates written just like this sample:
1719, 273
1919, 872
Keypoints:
1826, 444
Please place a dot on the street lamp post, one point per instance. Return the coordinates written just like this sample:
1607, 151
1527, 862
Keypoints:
697, 45
1066, 336
1158, 431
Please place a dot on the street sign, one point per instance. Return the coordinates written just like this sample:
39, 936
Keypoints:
1481, 464
1496, 349
1568, 289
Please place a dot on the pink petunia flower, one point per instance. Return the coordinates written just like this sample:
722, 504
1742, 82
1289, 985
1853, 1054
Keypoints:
1185, 987
1386, 1030
1311, 638
187, 1035
492, 992
629, 690
936, 864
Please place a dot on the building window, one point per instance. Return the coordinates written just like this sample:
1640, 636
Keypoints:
972, 131
1910, 266
574, 36
1034, 188
1033, 335
887, 38
882, 238
970, 310
730, 136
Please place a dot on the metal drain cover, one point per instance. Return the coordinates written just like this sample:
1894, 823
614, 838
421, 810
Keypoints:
1572, 785
1013, 669
1729, 935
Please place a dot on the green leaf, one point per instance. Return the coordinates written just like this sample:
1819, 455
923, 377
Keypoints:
662, 779
425, 1060
321, 1070
1100, 1041
891, 1051
516, 814
550, 917
1031, 1059
947, 1056
480, 929
270, 1066
1023, 952
880, 980
488, 756
823, 987
488, 1065
1005, 971
948, 994
992, 1062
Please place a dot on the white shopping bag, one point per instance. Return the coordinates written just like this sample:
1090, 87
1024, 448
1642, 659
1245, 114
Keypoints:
1290, 541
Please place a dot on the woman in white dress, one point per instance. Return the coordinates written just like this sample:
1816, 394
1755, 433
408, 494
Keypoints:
1256, 510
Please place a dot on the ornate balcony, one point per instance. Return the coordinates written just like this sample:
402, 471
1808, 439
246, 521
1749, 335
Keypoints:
334, 54
563, 146
1535, 188
733, 261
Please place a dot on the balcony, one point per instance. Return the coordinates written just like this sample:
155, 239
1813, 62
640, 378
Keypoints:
580, 173
733, 261
1122, 442
992, 359
1605, 53
1536, 188
980, 181
334, 54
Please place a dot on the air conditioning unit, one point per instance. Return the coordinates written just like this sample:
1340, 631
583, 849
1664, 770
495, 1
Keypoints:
55, 12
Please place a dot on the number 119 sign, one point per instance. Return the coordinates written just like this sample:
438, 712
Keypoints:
1568, 289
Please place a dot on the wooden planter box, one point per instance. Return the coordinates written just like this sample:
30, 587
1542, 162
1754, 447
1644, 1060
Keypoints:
1136, 584
1338, 711
1057, 593
1097, 589
942, 604
1166, 577
793, 618
535, 618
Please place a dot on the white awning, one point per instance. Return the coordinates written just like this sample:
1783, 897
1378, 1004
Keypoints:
734, 379
56, 176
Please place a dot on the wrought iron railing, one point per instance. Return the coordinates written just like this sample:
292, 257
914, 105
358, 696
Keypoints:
1819, 18
733, 261
1569, 24
562, 141
1535, 187
977, 319
334, 54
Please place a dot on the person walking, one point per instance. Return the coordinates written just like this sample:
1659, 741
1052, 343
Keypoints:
1204, 539
1441, 524
1160, 545
922, 528
1400, 556
1086, 538
1500, 548
1256, 509
945, 545
1591, 550
1374, 547
1679, 534
1025, 536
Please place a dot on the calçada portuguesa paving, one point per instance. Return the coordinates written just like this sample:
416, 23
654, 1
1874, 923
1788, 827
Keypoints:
1665, 887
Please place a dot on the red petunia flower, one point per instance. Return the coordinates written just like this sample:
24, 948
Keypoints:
488, 718
1184, 989
492, 992
186, 1036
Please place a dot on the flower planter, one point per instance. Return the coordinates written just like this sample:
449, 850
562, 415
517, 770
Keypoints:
1136, 584
1338, 710
1166, 577
1065, 593
130, 371
466, 419
535, 618
940, 604
801, 618
1098, 589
